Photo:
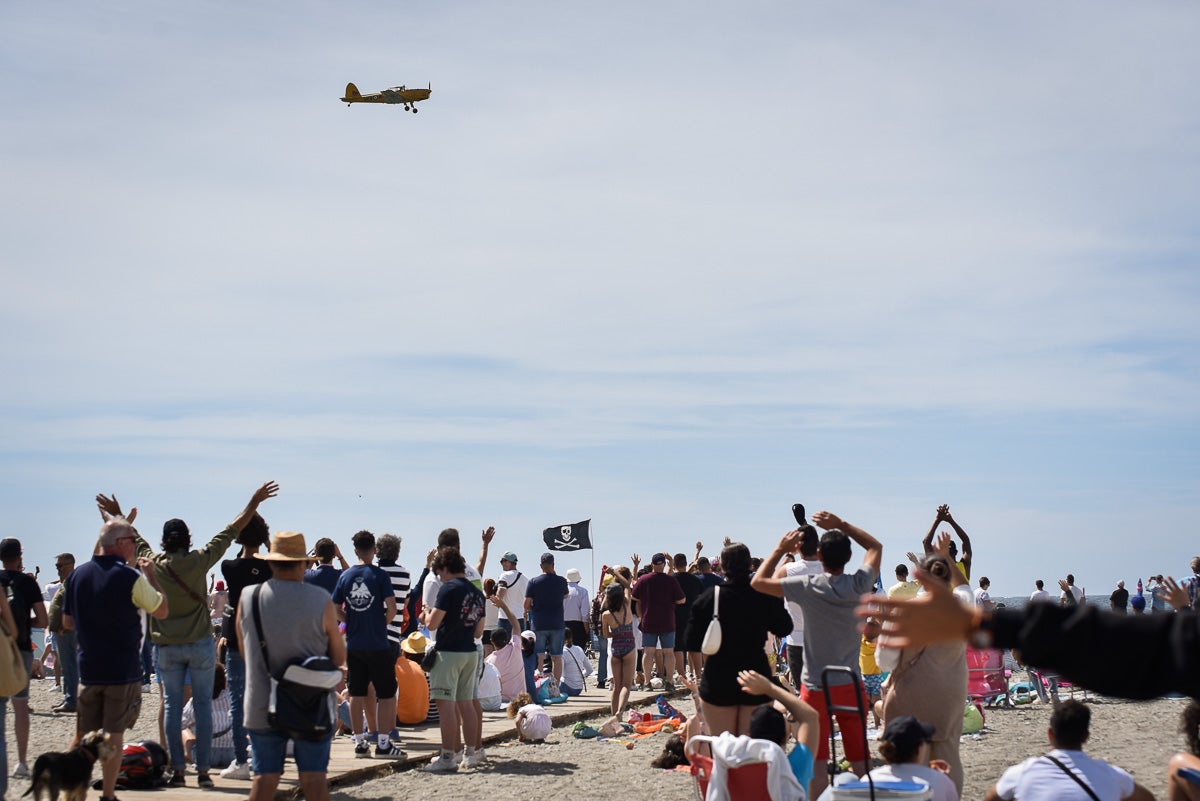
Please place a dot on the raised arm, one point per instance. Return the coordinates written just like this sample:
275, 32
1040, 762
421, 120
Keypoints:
486, 537
927, 543
268, 490
1085, 645
874, 549
337, 554
942, 546
808, 720
962, 535
513, 618
764, 579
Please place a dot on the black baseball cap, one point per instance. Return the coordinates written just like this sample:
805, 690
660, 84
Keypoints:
906, 733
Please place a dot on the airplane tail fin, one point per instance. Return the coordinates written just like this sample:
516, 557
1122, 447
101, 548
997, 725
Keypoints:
352, 91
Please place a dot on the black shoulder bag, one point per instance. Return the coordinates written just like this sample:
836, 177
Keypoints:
301, 701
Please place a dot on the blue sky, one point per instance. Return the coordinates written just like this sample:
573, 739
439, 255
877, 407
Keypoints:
669, 267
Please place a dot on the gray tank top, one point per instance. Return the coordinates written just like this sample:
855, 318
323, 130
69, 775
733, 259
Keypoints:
292, 614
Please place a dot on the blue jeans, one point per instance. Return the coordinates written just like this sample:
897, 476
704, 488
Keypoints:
235, 677
269, 748
174, 661
68, 658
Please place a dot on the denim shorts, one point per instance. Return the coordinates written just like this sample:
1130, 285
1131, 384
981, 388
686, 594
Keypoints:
549, 641
268, 748
666, 640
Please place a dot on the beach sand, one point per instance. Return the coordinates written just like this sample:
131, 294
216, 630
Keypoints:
1139, 737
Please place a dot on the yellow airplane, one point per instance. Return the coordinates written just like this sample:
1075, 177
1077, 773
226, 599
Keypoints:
397, 94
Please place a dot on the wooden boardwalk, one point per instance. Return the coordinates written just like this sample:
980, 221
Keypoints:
420, 742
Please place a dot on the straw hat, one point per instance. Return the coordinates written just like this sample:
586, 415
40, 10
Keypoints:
287, 546
414, 643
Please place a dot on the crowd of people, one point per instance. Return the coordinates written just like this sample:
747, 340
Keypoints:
761, 641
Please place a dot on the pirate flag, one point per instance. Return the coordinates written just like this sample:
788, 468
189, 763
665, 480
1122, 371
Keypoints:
569, 538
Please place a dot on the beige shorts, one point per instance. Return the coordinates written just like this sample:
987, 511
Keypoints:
112, 707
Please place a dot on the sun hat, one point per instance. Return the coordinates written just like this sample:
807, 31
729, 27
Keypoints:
414, 643
573, 576
287, 546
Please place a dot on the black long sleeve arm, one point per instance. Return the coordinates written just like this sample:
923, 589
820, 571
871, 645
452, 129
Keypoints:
1129, 656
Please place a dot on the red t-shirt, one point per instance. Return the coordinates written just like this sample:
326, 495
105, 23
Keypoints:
656, 594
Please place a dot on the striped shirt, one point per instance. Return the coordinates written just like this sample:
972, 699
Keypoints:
401, 583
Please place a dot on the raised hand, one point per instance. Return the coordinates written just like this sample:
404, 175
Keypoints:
699, 546
790, 542
912, 557
753, 682
931, 617
487, 535
637, 560
147, 567
268, 490
429, 558
942, 545
1176, 595
828, 520
110, 508
943, 512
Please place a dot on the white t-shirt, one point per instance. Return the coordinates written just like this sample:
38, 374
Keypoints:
802, 567
575, 666
513, 583
489, 682
1039, 779
1078, 593
982, 598
1039, 595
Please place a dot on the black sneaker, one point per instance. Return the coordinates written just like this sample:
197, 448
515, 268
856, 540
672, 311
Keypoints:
389, 750
176, 779
362, 750
204, 780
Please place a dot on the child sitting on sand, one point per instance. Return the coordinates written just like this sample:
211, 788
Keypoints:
532, 721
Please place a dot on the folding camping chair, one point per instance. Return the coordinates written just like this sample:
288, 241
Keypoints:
746, 782
859, 709
986, 679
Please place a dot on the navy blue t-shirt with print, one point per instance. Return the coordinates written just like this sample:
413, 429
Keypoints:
463, 604
546, 591
362, 590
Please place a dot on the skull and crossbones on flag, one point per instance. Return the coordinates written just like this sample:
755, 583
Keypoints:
572, 537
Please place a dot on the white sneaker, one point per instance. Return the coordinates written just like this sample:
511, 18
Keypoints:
237, 770
146, 687
475, 757
458, 756
21, 771
443, 764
